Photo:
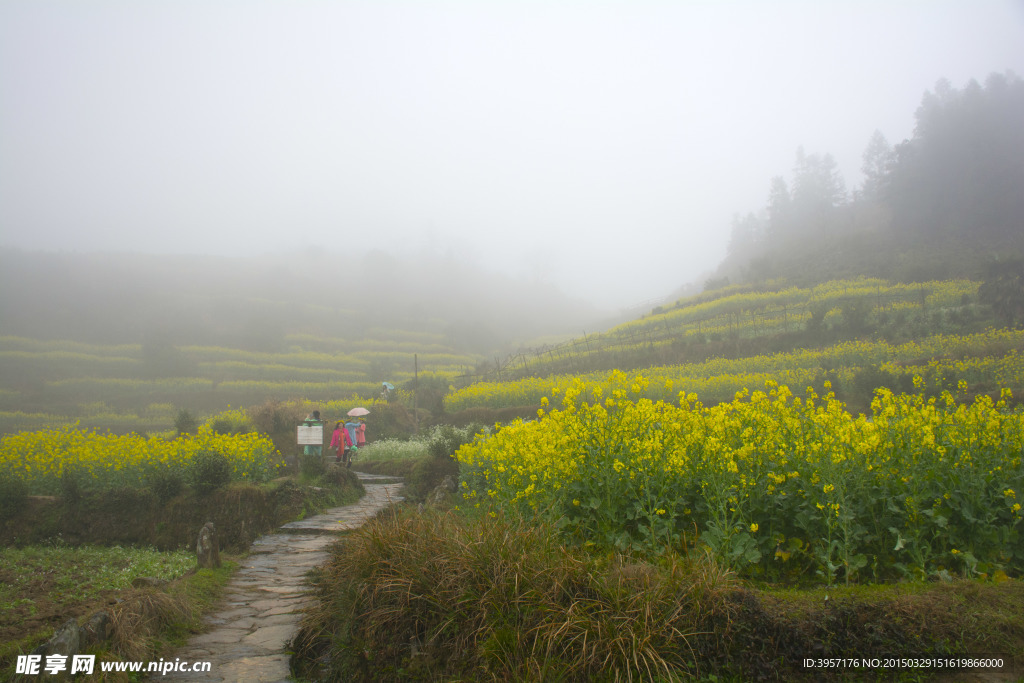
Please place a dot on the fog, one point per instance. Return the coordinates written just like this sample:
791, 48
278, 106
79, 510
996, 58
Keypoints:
254, 303
600, 148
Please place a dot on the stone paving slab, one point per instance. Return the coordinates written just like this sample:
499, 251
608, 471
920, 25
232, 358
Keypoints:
264, 599
378, 496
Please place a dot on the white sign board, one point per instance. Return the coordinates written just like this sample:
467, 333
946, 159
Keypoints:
311, 435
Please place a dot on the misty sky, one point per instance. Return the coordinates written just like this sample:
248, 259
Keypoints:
602, 146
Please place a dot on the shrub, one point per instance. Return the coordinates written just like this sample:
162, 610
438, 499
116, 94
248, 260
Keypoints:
221, 426
185, 422
71, 486
342, 477
389, 421
427, 473
166, 484
277, 420
311, 464
231, 421
445, 441
13, 493
210, 471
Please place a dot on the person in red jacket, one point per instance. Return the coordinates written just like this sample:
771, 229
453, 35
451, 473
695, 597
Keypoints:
361, 433
341, 442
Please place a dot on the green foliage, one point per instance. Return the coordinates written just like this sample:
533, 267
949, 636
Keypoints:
166, 483
209, 471
445, 441
341, 477
311, 465
389, 421
43, 584
86, 572
430, 392
221, 426
13, 493
71, 486
855, 315
1003, 290
185, 422
429, 472
230, 422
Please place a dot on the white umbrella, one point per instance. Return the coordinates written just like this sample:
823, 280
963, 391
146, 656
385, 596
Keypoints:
358, 412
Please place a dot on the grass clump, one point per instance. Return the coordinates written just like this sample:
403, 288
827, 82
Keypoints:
442, 595
449, 596
149, 622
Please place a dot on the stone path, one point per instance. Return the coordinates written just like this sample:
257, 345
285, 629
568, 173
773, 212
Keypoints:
263, 602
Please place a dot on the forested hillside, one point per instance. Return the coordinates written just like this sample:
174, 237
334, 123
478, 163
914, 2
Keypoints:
945, 203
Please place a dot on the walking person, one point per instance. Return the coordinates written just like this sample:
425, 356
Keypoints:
351, 428
341, 442
313, 420
361, 433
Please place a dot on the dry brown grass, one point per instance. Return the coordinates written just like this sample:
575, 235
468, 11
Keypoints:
461, 595
141, 617
444, 596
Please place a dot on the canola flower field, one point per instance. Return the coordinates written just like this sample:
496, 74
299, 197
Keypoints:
119, 387
985, 360
780, 487
42, 459
770, 309
780, 306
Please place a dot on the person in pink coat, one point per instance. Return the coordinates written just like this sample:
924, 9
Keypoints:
361, 434
341, 442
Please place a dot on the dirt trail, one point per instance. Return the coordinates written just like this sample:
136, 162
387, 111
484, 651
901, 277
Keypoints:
264, 599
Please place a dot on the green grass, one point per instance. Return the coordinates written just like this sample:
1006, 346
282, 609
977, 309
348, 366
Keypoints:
83, 573
42, 586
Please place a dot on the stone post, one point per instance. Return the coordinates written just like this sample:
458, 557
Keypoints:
207, 548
